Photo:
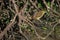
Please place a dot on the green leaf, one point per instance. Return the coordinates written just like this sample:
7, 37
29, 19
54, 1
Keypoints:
7, 21
49, 4
44, 28
29, 30
39, 5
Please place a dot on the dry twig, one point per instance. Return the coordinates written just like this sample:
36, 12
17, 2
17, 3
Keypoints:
8, 27
50, 8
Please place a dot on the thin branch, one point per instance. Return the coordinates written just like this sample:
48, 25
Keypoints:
52, 3
15, 6
8, 27
34, 4
58, 3
11, 9
51, 30
57, 13
48, 33
23, 35
20, 16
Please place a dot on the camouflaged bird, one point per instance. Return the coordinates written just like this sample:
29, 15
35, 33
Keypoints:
38, 15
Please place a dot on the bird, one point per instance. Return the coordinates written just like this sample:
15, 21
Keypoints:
38, 15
